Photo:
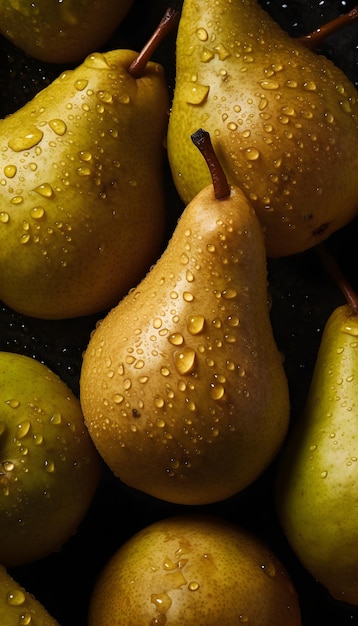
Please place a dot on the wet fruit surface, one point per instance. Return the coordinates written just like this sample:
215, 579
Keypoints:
302, 299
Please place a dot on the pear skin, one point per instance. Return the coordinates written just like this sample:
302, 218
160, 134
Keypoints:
194, 569
182, 385
82, 204
18, 606
61, 32
283, 121
317, 485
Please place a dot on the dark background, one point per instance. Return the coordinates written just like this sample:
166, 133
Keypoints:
303, 297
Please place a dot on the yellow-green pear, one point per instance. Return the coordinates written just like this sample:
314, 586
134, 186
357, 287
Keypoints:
18, 606
194, 569
58, 31
283, 121
82, 202
182, 385
317, 484
49, 466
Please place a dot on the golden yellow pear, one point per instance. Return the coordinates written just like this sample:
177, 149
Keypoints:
18, 606
58, 31
198, 570
317, 485
82, 203
49, 466
182, 385
283, 121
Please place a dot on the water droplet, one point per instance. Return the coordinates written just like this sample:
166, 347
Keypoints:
16, 598
159, 402
97, 60
17, 200
195, 324
269, 84
104, 96
37, 212
252, 154
202, 34
25, 619
310, 85
30, 138
217, 391
157, 322
187, 296
195, 94
193, 586
45, 190
23, 429
49, 466
229, 294
81, 84
243, 618
176, 339
10, 171
185, 360
324, 474
207, 55
58, 126
4, 217
164, 371
124, 98
350, 329
13, 403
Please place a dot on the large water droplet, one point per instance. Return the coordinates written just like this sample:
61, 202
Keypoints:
185, 360
194, 93
27, 139
58, 126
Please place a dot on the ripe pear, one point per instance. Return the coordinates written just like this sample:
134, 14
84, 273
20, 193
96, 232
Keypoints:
317, 484
49, 466
18, 606
82, 202
182, 385
61, 32
198, 570
283, 121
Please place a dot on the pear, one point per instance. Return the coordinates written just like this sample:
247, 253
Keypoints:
182, 385
194, 569
317, 483
283, 121
50, 468
61, 32
18, 606
82, 202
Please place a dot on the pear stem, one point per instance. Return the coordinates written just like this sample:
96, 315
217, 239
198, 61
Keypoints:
314, 39
332, 267
202, 140
168, 22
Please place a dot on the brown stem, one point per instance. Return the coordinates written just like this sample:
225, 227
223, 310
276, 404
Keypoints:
314, 39
168, 22
201, 139
333, 269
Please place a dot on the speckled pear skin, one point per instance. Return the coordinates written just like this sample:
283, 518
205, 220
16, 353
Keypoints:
18, 605
82, 206
283, 121
317, 484
194, 569
182, 386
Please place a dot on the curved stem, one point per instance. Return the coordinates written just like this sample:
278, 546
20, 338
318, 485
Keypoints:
332, 267
168, 22
314, 39
201, 139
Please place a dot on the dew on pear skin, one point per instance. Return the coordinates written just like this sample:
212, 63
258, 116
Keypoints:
23, 429
195, 94
176, 339
45, 190
350, 329
4, 217
37, 212
28, 139
10, 171
184, 360
269, 569
13, 403
58, 126
16, 598
202, 34
195, 324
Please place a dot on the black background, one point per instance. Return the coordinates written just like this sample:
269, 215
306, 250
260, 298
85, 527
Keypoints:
303, 297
